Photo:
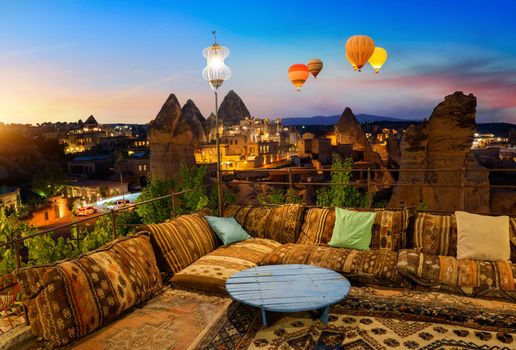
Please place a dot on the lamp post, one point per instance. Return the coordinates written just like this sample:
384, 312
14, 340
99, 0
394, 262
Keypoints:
216, 72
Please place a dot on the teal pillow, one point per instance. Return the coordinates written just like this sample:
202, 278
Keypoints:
353, 229
228, 229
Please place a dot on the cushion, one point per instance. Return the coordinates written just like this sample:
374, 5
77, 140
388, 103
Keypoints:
227, 229
181, 241
482, 237
389, 228
352, 229
435, 234
470, 276
72, 298
366, 266
281, 223
513, 239
210, 272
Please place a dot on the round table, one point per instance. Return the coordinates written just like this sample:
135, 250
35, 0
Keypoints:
288, 288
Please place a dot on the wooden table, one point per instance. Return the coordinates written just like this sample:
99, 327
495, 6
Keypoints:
288, 288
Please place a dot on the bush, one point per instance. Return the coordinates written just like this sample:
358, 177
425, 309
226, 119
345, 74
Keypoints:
340, 193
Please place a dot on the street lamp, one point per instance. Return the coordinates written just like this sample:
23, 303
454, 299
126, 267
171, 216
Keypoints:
216, 72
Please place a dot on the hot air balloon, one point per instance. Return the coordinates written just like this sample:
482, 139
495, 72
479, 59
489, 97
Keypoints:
298, 73
315, 65
359, 48
349, 59
378, 58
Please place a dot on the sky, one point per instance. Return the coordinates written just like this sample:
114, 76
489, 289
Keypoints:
119, 60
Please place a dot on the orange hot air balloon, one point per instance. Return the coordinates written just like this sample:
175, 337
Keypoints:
359, 48
349, 59
315, 65
298, 73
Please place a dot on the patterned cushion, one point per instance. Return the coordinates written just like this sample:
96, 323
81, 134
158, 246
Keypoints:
435, 234
210, 272
470, 276
368, 266
72, 298
512, 233
282, 223
389, 229
181, 241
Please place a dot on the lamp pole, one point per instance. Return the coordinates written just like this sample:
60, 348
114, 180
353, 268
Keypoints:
216, 72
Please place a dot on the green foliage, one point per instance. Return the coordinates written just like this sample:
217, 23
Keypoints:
49, 182
279, 197
340, 193
126, 221
194, 200
422, 206
157, 211
10, 228
100, 235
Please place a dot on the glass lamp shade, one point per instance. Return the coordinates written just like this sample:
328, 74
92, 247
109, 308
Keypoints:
216, 71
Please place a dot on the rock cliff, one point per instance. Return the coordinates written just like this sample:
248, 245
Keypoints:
171, 141
232, 109
195, 119
349, 131
444, 142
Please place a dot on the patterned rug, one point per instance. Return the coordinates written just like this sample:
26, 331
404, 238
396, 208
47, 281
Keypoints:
372, 319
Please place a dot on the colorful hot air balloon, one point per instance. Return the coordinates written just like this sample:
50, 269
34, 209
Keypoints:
359, 48
349, 59
315, 65
298, 73
378, 58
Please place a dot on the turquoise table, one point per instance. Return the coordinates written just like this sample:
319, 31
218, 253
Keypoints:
288, 288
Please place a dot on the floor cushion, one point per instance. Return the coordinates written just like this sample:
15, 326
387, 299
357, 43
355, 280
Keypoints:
280, 223
365, 266
435, 234
210, 272
467, 276
72, 298
389, 228
181, 241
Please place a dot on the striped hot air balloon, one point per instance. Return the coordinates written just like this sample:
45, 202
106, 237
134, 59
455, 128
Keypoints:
298, 73
315, 66
350, 62
358, 49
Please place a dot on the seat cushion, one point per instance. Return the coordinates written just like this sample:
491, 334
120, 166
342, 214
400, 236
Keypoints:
366, 266
469, 276
281, 223
210, 272
435, 234
72, 298
389, 228
181, 241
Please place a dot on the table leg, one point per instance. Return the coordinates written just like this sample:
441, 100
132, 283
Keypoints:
264, 318
325, 316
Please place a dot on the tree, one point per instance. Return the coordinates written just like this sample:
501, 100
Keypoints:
160, 210
192, 179
278, 197
10, 228
340, 193
50, 181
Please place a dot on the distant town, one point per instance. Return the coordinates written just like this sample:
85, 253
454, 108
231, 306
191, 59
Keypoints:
98, 166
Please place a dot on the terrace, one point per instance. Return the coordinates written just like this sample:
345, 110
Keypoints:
403, 294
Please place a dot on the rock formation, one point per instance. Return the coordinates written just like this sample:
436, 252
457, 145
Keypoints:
512, 137
444, 142
171, 141
232, 109
195, 119
349, 131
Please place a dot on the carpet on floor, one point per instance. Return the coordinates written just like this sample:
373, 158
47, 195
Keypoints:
372, 319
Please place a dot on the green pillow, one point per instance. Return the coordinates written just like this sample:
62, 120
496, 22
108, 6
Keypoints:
352, 229
228, 229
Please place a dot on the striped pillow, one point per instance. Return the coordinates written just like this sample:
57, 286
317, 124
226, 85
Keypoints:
435, 234
389, 228
181, 241
69, 299
512, 233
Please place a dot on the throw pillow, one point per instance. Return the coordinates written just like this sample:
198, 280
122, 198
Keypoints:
481, 237
352, 229
228, 229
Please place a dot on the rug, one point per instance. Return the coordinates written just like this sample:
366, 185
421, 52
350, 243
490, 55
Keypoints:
372, 319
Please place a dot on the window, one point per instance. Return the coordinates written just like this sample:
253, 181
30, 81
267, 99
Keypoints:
46, 215
144, 167
139, 168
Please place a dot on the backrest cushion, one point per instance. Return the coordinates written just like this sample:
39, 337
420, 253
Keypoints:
181, 241
389, 228
72, 298
435, 234
281, 223
512, 233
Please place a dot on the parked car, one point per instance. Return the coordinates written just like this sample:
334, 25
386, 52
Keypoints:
85, 211
122, 203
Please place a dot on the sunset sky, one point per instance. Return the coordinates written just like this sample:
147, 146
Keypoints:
119, 60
